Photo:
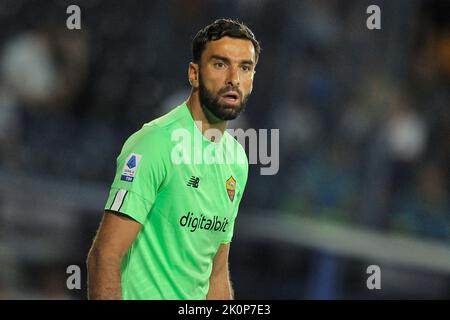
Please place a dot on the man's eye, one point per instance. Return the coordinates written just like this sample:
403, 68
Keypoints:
246, 68
219, 65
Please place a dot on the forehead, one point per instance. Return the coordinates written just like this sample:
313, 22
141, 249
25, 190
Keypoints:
232, 48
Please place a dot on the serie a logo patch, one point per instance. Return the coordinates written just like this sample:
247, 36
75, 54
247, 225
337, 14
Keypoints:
130, 167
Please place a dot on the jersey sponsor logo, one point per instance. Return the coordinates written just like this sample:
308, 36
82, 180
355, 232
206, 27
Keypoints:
194, 223
130, 167
193, 182
231, 187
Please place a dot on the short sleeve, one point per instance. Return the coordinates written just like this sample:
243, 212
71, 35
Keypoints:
141, 170
229, 233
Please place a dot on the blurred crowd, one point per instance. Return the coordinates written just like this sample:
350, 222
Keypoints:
363, 114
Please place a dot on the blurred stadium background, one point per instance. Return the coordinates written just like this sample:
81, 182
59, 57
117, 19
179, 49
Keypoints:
364, 139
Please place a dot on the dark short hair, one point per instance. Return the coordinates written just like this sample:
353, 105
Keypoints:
219, 29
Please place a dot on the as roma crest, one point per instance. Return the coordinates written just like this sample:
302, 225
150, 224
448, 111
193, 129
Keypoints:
231, 187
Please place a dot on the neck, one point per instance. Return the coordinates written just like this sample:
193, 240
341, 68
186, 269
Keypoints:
208, 120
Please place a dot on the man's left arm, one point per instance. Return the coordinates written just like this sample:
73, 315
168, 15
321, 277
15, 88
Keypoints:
219, 282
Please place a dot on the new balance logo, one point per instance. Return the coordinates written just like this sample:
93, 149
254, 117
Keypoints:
193, 182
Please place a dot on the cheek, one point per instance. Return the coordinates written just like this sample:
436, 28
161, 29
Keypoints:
213, 80
248, 86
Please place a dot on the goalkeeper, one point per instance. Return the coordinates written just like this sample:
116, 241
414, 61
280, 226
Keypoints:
168, 224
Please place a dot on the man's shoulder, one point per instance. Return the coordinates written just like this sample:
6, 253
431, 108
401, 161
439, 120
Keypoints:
173, 118
156, 134
240, 158
232, 142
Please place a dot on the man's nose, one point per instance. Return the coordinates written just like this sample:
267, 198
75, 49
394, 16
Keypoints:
233, 77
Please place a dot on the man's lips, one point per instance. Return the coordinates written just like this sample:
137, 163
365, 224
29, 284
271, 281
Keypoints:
231, 97
232, 94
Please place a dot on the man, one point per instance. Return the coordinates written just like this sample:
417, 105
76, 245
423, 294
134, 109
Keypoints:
168, 224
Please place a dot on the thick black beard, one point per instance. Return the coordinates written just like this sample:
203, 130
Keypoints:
210, 102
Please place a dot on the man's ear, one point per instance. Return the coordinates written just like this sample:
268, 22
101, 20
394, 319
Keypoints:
193, 74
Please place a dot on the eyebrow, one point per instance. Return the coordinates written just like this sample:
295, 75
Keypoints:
225, 59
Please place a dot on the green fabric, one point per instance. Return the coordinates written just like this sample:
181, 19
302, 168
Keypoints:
185, 209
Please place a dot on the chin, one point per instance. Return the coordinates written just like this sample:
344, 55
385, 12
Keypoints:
229, 115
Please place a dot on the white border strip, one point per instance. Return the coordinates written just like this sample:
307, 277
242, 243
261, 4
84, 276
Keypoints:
119, 199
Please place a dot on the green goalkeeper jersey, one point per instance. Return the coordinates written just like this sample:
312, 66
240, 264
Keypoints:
185, 190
